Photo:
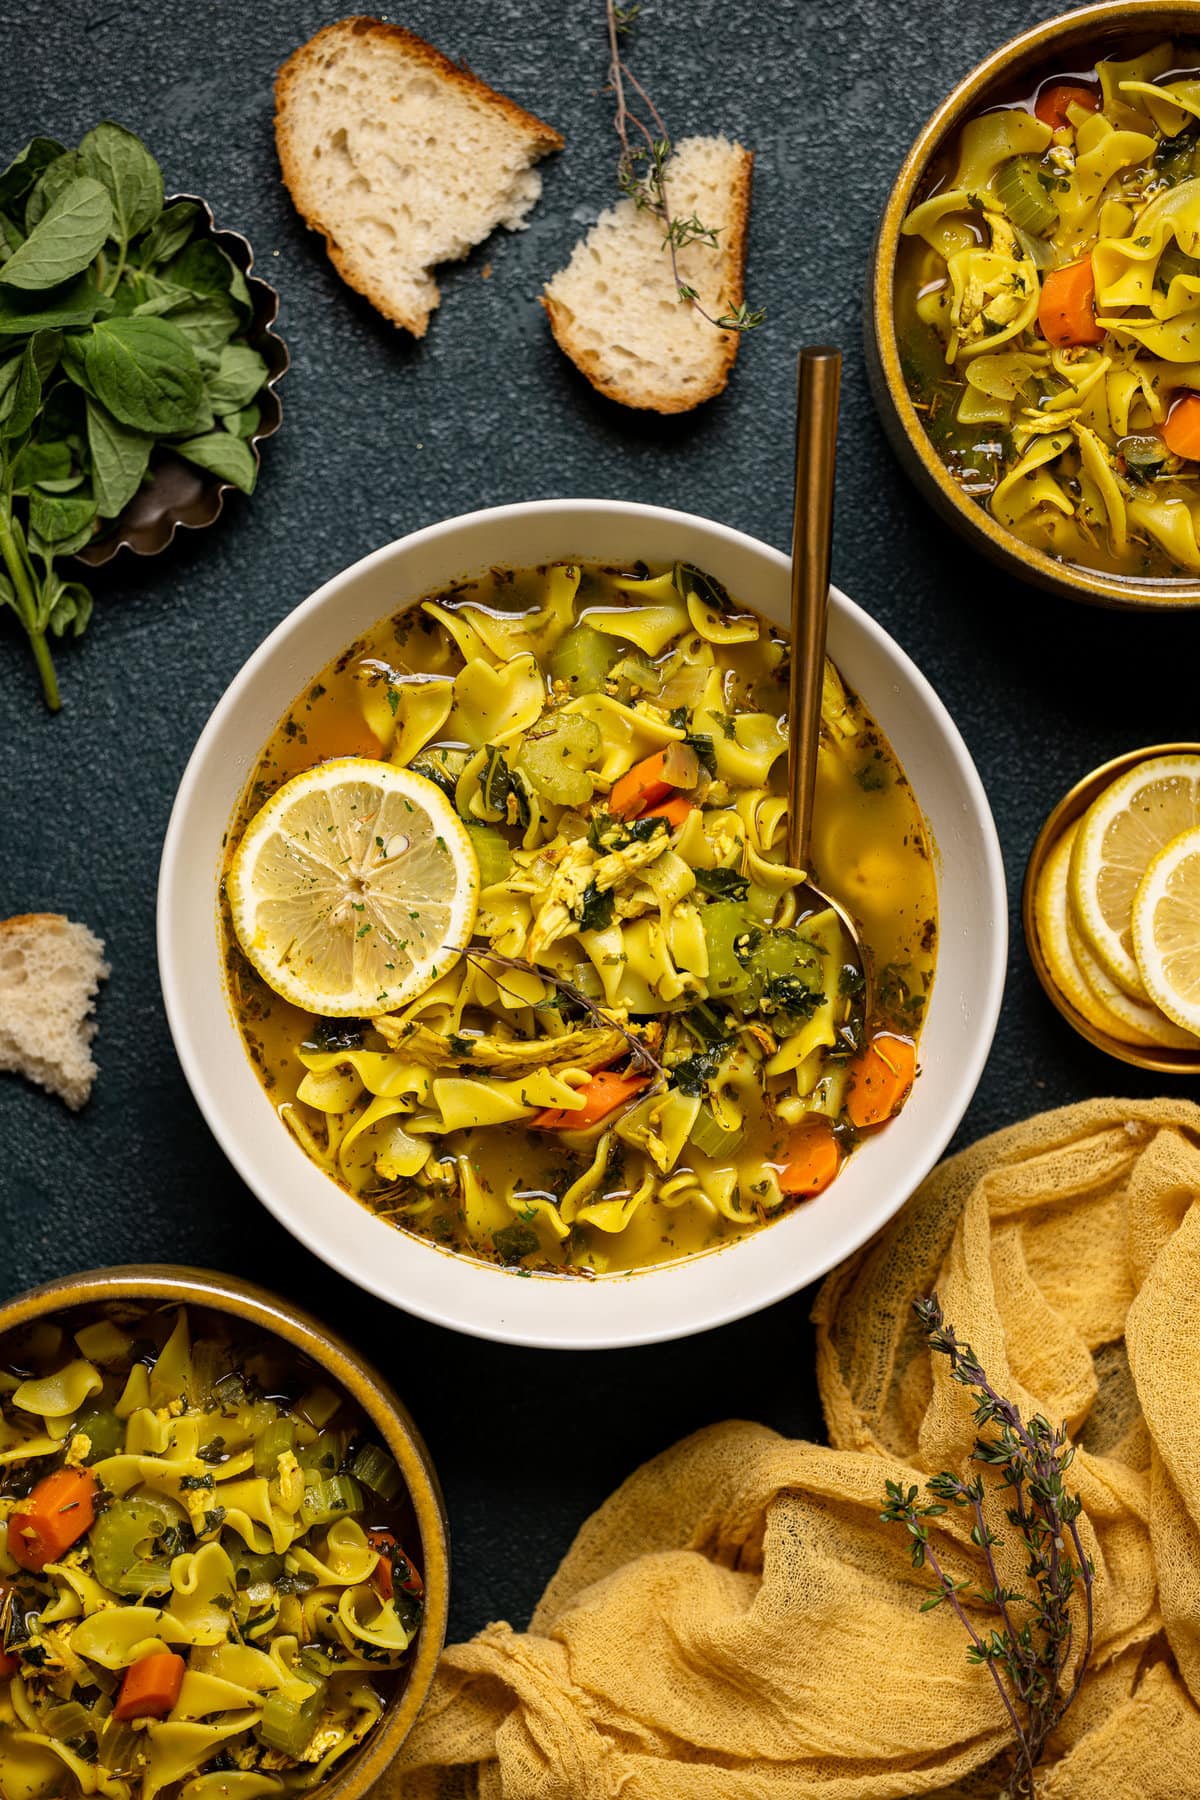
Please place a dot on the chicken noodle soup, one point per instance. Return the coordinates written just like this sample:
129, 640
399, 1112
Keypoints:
1048, 307
203, 1568
641, 1052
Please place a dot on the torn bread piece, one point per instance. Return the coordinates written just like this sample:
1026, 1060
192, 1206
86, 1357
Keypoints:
401, 158
614, 309
50, 972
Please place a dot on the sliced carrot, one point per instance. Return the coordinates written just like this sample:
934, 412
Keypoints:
1181, 428
1052, 102
392, 1562
652, 779
604, 1092
54, 1516
675, 811
880, 1077
1067, 309
813, 1159
151, 1686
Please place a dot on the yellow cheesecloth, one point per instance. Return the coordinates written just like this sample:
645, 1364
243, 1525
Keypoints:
736, 1623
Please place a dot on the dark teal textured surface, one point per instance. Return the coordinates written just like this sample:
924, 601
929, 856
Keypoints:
381, 435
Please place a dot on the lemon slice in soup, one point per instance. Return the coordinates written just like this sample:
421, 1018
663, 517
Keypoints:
354, 888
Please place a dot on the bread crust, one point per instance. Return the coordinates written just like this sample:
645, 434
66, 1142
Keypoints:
590, 363
542, 137
33, 919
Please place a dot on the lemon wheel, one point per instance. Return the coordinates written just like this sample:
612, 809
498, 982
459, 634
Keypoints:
1058, 941
354, 888
1119, 837
1166, 931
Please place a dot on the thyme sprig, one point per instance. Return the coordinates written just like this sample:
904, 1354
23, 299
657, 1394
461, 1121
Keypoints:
1027, 1658
642, 171
644, 1059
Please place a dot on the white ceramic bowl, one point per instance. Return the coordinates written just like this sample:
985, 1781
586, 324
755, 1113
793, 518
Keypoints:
653, 1304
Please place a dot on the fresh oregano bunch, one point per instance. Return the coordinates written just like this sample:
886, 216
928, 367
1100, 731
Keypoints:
642, 170
1028, 1651
122, 328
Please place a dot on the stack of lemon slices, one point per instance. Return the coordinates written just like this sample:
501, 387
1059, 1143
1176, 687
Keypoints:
1117, 907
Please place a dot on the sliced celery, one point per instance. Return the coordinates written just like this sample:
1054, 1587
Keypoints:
329, 1499
713, 1139
491, 853
377, 1470
288, 1724
250, 1569
582, 658
122, 1544
275, 1441
1019, 189
730, 936
556, 755
104, 1430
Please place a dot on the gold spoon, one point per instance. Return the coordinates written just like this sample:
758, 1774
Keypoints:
818, 378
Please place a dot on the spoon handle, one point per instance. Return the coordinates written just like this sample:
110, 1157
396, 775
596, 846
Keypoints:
818, 378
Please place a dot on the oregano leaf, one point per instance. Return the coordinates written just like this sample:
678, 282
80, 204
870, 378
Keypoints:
121, 163
56, 176
145, 372
19, 404
120, 457
26, 167
245, 422
65, 241
240, 374
76, 304
70, 609
224, 455
169, 233
61, 520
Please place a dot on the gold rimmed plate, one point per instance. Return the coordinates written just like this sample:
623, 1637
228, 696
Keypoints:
1071, 807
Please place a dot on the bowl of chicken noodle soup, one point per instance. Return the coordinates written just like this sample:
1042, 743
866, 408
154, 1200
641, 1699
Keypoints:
479, 942
1034, 305
223, 1561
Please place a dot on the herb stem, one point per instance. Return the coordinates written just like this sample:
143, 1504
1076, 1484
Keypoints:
1088, 1577
27, 609
648, 191
110, 287
948, 1588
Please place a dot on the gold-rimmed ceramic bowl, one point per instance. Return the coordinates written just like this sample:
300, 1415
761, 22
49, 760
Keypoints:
154, 1285
1065, 44
1071, 807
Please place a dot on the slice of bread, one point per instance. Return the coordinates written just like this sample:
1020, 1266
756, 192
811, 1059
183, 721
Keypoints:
614, 308
50, 970
402, 159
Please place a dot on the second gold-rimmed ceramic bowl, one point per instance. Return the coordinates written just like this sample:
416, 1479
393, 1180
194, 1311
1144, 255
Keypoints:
167, 1285
1071, 807
1062, 45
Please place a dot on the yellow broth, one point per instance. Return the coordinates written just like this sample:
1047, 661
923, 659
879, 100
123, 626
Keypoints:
871, 851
